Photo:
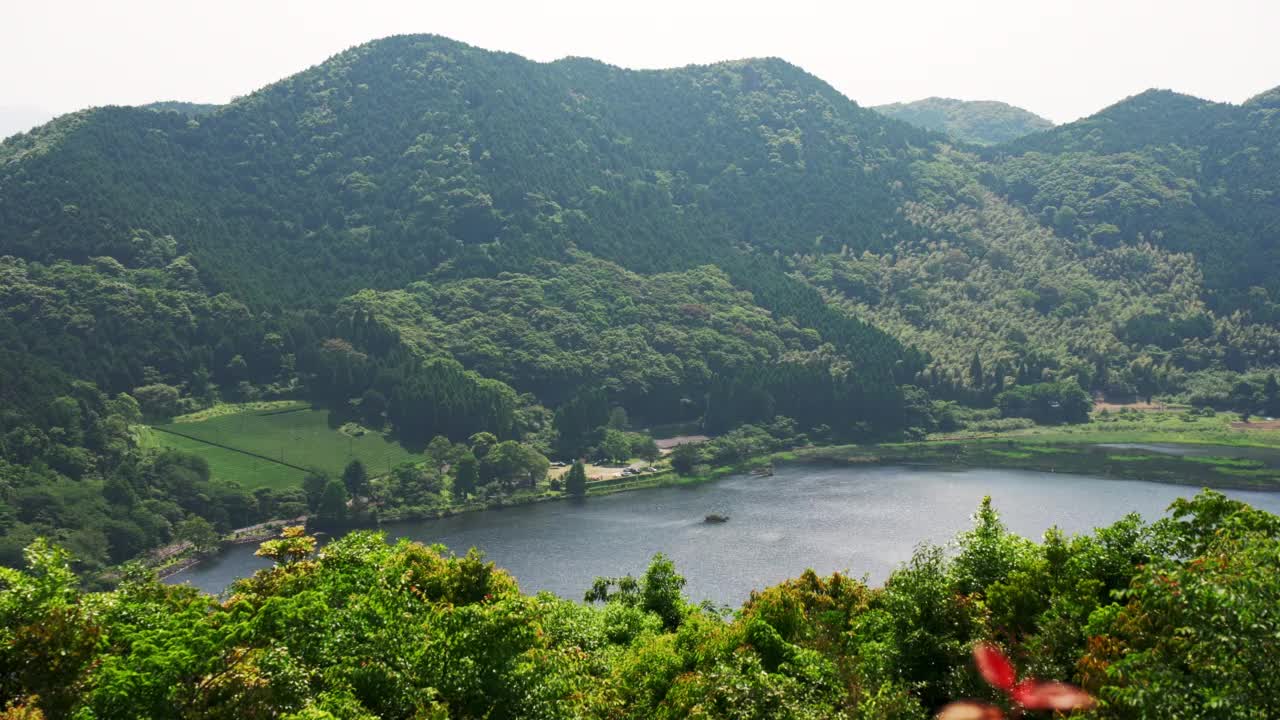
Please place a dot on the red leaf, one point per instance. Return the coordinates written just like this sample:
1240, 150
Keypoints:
969, 710
1035, 695
994, 666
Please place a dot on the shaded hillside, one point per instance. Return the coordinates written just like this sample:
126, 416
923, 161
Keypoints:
980, 122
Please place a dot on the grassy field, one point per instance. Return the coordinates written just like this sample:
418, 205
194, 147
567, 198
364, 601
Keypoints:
273, 445
1138, 427
1082, 449
246, 470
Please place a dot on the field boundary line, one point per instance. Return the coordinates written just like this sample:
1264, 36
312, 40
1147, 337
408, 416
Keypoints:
232, 449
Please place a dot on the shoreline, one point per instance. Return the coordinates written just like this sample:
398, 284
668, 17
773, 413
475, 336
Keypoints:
1082, 452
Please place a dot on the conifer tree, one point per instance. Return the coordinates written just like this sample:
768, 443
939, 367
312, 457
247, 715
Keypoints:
576, 481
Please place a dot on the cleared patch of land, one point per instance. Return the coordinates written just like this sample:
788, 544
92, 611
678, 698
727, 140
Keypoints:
280, 441
667, 444
600, 472
1101, 405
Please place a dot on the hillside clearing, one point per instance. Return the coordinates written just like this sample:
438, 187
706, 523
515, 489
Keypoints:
280, 444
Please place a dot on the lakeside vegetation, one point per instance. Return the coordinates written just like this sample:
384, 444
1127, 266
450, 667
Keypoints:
1176, 618
1123, 444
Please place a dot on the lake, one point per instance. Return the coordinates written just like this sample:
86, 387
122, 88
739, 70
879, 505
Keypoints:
864, 519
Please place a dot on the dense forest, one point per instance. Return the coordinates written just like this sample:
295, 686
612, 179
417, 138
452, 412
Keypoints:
445, 243
1177, 618
978, 122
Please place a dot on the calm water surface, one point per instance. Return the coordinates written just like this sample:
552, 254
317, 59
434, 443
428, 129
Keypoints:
865, 520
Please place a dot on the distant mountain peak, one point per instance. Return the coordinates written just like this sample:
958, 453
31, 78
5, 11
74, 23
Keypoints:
1151, 97
981, 122
1153, 117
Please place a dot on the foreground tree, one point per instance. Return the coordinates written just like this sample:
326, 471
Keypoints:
367, 629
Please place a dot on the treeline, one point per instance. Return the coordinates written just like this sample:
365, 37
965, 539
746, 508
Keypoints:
421, 398
366, 629
815, 394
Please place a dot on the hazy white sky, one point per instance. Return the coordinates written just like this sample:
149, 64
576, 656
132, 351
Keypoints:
1062, 59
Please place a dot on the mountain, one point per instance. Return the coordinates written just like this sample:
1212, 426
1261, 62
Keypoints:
402, 154
980, 122
419, 157
1185, 174
447, 242
471, 241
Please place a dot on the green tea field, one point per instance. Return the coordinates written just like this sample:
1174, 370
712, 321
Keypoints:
248, 471
273, 447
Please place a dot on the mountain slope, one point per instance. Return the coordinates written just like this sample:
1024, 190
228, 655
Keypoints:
418, 158
980, 122
1186, 174
370, 233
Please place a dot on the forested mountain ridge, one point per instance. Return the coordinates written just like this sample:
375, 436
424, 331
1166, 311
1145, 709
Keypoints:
422, 142
1185, 174
980, 122
412, 155
182, 107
